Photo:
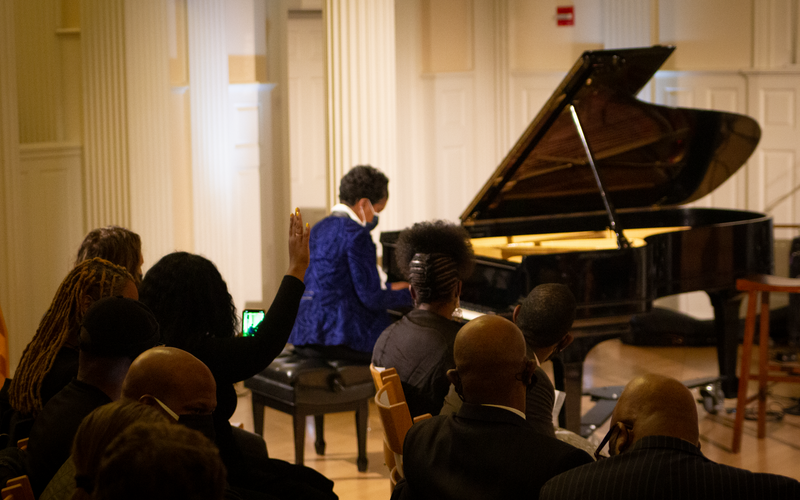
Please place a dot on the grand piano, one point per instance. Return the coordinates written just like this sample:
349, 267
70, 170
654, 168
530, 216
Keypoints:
590, 197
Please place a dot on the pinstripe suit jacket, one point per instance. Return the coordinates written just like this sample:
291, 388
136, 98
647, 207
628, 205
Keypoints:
480, 453
661, 467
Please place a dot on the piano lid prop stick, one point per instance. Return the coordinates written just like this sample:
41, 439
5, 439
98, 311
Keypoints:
622, 242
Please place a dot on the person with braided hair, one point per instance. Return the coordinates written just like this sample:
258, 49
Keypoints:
50, 360
436, 257
115, 244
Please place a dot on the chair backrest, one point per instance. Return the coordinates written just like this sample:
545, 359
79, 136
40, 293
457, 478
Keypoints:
4, 368
18, 488
378, 374
394, 415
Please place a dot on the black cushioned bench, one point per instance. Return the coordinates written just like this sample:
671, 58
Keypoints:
307, 386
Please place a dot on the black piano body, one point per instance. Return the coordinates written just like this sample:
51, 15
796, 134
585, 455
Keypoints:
541, 219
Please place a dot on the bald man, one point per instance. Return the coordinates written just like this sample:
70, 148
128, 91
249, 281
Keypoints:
486, 450
655, 454
177, 384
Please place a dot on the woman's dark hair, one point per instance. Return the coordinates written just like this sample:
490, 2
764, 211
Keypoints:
434, 256
160, 461
363, 181
115, 244
189, 298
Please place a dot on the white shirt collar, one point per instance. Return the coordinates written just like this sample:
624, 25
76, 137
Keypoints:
341, 207
513, 410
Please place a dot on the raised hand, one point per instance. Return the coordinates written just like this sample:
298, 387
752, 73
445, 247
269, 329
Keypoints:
299, 254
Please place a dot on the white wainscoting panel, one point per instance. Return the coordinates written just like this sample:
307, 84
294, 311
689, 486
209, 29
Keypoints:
245, 119
774, 178
529, 92
51, 196
454, 139
307, 113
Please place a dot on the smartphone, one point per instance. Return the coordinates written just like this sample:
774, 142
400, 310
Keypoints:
251, 318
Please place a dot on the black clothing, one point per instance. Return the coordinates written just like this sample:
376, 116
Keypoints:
232, 359
662, 467
481, 452
539, 404
420, 348
64, 369
51, 438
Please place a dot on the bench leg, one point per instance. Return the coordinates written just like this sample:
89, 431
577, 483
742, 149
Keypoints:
258, 417
299, 437
319, 443
362, 413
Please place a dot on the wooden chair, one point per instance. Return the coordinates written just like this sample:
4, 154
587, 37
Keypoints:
378, 375
18, 488
22, 444
4, 368
396, 420
753, 285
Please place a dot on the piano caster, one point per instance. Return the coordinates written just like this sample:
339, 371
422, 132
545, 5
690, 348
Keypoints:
713, 398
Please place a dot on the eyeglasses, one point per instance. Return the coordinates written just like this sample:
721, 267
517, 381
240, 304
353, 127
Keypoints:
597, 455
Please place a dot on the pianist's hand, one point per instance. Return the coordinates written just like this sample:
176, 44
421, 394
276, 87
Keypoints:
298, 246
400, 285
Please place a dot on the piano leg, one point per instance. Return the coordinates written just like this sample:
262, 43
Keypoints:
568, 370
726, 322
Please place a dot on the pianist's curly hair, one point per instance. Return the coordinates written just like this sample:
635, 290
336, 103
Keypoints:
95, 278
434, 257
190, 300
546, 314
363, 181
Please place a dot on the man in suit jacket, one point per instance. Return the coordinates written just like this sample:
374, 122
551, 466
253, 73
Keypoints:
655, 454
487, 450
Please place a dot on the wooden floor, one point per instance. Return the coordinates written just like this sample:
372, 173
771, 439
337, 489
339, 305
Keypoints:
610, 363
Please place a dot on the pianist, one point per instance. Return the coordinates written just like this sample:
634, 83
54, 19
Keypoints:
435, 257
344, 308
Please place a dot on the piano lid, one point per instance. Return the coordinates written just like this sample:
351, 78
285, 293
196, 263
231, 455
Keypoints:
646, 155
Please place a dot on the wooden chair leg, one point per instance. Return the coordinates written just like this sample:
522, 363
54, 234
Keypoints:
319, 443
362, 413
299, 437
763, 349
744, 375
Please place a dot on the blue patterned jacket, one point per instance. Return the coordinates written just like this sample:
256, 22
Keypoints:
343, 303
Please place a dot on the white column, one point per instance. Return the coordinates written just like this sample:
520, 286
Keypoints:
362, 104
9, 164
630, 23
211, 177
148, 105
106, 171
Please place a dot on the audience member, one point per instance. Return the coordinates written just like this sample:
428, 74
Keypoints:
196, 312
50, 361
75, 479
436, 257
655, 448
344, 308
115, 244
487, 450
545, 318
114, 331
176, 384
160, 462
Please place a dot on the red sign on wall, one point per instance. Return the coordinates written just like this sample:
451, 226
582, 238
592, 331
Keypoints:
565, 16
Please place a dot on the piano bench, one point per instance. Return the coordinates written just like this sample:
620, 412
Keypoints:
753, 285
305, 386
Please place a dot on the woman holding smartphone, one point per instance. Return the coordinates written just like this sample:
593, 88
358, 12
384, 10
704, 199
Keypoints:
344, 307
191, 301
